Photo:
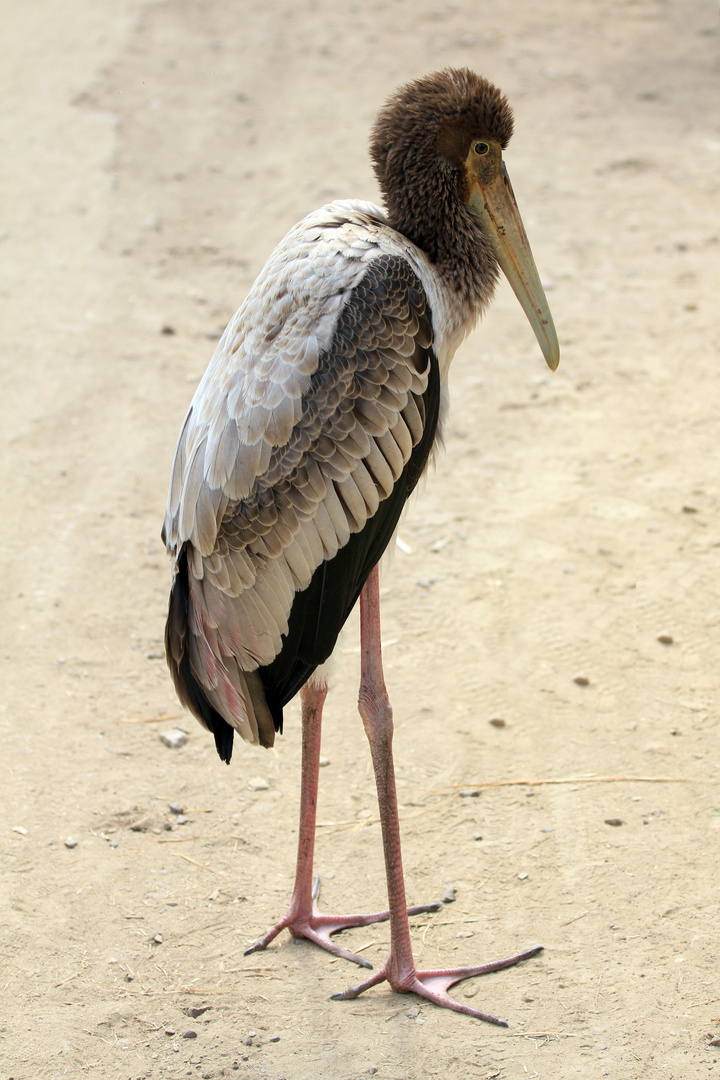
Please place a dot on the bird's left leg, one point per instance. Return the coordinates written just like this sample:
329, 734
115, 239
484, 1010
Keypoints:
399, 969
303, 918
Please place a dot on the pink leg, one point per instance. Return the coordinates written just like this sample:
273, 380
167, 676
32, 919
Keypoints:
303, 919
374, 705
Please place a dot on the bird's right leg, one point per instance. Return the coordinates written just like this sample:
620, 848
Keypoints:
303, 918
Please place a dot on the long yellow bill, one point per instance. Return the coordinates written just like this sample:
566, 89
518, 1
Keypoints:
495, 204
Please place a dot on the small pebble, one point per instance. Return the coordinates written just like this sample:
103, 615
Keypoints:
20, 829
324, 762
665, 639
71, 843
413, 1013
615, 821
182, 819
522, 877
174, 737
257, 783
158, 939
274, 1038
688, 509
113, 844
548, 828
197, 1010
175, 808
714, 1042
477, 836
581, 680
169, 1031
448, 897
497, 721
190, 1035
470, 793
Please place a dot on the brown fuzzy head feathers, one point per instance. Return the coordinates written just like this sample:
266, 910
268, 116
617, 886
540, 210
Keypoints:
419, 145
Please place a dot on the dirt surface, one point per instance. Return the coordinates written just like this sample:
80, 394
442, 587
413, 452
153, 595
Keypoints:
153, 156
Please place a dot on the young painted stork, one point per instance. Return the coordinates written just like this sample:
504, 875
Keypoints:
308, 432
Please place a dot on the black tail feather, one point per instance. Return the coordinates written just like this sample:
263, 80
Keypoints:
188, 688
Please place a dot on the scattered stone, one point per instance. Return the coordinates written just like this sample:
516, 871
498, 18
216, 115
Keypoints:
197, 1010
183, 820
522, 877
413, 1012
174, 737
274, 1038
714, 1042
167, 329
20, 829
158, 939
113, 844
324, 762
168, 826
548, 828
190, 1034
176, 808
258, 783
464, 933
477, 836
71, 843
448, 897
665, 639
497, 721
470, 793
129, 977
581, 680
688, 509
615, 821
169, 1031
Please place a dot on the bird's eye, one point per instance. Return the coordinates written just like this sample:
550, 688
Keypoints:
481, 148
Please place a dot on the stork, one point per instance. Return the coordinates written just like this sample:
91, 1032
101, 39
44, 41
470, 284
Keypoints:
309, 430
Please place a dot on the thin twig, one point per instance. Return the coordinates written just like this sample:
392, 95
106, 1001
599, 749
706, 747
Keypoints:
575, 918
537, 782
150, 719
543, 1035
202, 866
69, 979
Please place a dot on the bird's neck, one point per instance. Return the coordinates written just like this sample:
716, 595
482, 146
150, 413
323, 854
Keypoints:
453, 241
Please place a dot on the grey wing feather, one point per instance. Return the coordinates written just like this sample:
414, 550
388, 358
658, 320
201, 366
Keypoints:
282, 458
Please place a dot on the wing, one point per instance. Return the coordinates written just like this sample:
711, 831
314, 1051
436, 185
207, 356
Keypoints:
275, 533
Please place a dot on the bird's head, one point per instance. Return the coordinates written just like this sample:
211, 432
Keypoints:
437, 151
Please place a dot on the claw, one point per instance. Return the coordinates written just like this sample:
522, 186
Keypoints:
434, 985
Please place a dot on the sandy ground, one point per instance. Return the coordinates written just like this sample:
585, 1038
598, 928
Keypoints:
153, 155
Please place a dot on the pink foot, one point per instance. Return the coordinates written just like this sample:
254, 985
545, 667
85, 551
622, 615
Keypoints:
317, 927
434, 985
